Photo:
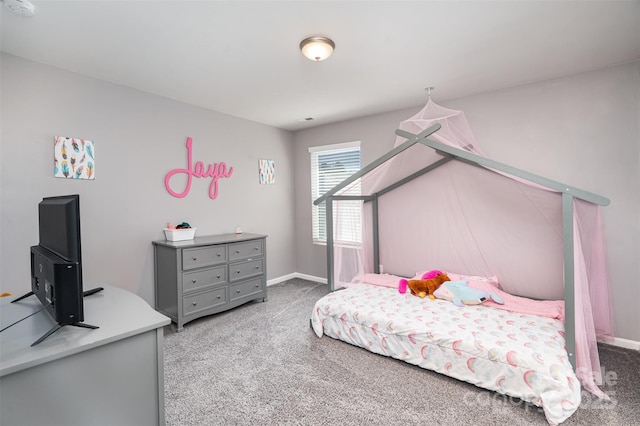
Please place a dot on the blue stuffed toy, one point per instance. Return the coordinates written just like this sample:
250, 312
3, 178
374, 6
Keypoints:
461, 294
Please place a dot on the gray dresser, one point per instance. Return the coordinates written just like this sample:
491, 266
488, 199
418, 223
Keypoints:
209, 274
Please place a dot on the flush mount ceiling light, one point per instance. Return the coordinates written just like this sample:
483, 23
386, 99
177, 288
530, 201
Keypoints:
20, 7
317, 48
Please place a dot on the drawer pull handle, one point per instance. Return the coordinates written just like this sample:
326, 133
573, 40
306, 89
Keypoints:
256, 248
195, 303
257, 285
193, 281
219, 297
237, 251
218, 254
237, 291
218, 276
194, 258
237, 272
257, 267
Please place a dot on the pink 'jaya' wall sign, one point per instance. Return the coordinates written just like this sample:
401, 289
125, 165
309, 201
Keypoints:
215, 171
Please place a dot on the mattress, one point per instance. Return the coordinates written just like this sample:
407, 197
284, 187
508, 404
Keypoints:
515, 354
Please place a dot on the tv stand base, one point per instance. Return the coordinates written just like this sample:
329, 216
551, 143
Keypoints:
59, 326
24, 296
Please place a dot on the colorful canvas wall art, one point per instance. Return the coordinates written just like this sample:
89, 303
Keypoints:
267, 172
74, 158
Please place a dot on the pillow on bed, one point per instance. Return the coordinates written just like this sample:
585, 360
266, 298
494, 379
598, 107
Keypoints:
383, 280
461, 277
544, 308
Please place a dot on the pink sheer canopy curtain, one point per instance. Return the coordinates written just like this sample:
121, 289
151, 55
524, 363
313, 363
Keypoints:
467, 219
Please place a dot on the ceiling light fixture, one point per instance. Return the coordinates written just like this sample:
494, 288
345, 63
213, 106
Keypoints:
317, 48
20, 7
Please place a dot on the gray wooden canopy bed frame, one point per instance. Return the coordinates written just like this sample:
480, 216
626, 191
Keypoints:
449, 153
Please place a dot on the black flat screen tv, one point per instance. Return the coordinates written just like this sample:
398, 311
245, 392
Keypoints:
56, 263
59, 226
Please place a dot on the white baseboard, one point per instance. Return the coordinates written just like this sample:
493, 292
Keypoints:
625, 343
296, 275
281, 279
311, 278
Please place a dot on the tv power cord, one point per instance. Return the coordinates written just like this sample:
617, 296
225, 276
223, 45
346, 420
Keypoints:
30, 315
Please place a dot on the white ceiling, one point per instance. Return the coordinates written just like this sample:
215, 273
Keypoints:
242, 57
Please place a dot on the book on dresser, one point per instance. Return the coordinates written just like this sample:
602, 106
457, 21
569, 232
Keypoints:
208, 274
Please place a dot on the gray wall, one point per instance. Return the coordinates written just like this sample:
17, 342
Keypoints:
583, 130
139, 137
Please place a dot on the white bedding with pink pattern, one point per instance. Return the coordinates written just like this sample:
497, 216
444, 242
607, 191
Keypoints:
514, 354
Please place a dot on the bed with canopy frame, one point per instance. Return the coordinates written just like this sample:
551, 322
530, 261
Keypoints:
435, 201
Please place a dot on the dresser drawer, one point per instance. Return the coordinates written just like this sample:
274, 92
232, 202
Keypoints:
198, 279
246, 249
201, 301
203, 256
241, 270
246, 288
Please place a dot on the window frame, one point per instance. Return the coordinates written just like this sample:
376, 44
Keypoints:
318, 221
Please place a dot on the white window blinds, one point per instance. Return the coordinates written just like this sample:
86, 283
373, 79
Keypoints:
330, 165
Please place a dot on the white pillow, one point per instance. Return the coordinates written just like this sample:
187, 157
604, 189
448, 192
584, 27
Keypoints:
461, 277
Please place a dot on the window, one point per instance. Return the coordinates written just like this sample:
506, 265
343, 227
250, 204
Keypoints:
330, 165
